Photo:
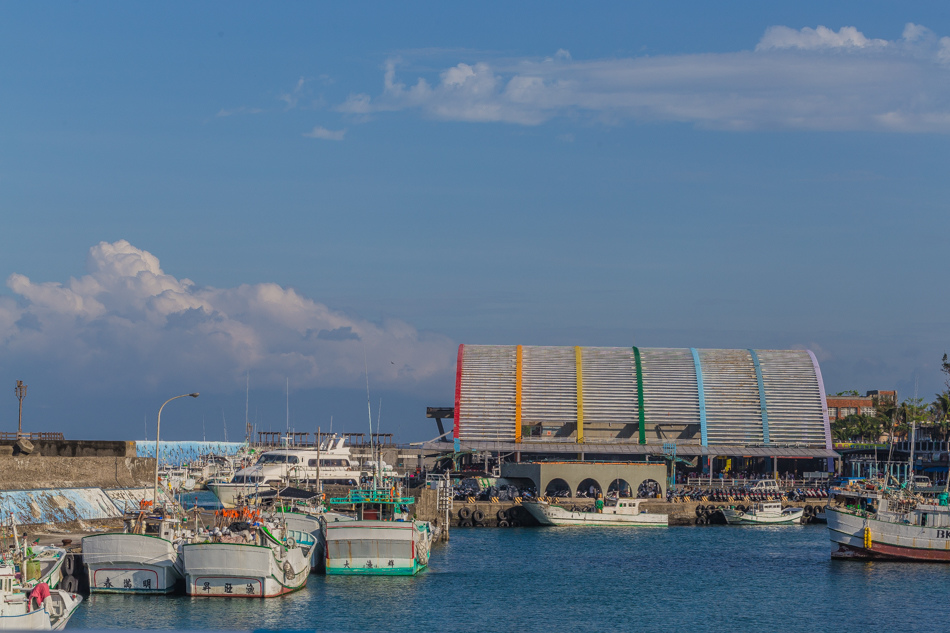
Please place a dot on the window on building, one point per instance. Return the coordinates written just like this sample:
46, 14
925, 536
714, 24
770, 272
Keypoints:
833, 413
867, 410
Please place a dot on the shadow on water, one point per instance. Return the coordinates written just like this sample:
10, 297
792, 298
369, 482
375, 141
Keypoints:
586, 579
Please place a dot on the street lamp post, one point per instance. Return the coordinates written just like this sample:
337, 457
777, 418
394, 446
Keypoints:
157, 431
20, 391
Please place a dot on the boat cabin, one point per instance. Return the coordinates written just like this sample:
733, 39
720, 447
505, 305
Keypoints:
624, 506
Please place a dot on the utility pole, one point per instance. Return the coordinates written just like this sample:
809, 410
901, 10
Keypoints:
20, 391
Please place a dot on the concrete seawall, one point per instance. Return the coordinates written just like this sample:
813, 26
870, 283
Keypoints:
678, 513
39, 471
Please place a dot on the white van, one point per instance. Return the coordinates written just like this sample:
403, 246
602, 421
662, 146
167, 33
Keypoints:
765, 485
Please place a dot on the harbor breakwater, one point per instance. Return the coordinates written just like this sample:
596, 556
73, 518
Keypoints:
39, 471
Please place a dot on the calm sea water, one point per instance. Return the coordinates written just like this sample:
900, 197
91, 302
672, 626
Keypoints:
586, 579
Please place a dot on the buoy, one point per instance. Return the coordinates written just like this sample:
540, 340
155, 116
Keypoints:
867, 538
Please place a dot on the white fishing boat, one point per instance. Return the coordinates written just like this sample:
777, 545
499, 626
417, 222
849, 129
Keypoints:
764, 513
42, 609
383, 540
36, 563
871, 521
312, 522
623, 513
329, 464
142, 559
254, 562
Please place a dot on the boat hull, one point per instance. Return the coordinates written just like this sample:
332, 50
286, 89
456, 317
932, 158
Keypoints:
550, 515
130, 563
736, 517
15, 617
377, 548
228, 493
233, 570
888, 541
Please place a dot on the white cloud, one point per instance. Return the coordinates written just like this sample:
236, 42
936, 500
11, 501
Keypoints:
127, 325
777, 37
812, 78
325, 134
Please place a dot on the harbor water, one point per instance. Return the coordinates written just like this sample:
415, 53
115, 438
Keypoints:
585, 579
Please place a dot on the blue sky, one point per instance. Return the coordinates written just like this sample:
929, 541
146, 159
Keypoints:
191, 193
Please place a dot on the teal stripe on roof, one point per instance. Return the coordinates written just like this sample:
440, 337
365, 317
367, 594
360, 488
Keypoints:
762, 403
702, 396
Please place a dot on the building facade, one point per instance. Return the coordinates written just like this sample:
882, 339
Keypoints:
841, 406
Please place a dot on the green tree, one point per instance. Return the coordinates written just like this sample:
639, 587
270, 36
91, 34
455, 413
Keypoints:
852, 392
940, 412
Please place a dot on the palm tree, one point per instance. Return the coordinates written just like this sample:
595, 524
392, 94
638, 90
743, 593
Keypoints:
940, 409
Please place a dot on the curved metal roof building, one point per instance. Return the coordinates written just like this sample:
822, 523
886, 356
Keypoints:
642, 396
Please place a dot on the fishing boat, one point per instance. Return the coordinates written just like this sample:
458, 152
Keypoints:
39, 609
622, 513
871, 521
763, 513
263, 560
383, 540
141, 559
330, 463
36, 563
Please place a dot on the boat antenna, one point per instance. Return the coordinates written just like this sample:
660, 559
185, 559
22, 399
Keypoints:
247, 401
224, 421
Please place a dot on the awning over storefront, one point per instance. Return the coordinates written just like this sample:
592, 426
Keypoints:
632, 449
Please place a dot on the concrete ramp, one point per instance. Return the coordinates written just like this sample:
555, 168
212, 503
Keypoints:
57, 505
130, 499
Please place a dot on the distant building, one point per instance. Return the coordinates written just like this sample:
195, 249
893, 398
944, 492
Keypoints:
840, 407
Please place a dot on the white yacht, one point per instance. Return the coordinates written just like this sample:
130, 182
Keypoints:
625, 513
330, 464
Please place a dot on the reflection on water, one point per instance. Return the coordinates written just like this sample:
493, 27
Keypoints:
585, 579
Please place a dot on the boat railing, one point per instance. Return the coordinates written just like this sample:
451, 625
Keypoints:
371, 496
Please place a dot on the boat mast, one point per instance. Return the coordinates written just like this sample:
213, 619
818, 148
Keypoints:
369, 412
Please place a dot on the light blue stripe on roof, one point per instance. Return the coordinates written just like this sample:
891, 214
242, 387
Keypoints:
702, 395
762, 403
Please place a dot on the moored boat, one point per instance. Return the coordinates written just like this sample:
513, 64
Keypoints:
253, 562
330, 463
142, 559
40, 609
764, 513
383, 540
623, 513
873, 522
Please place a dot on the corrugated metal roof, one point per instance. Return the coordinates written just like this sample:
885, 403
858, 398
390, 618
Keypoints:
731, 397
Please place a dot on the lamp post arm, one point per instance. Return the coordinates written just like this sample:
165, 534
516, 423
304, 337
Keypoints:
157, 431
